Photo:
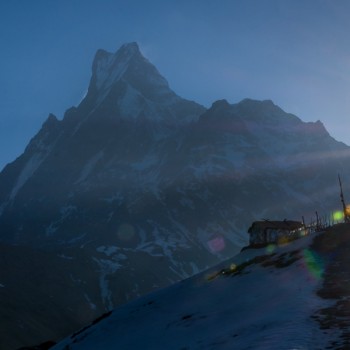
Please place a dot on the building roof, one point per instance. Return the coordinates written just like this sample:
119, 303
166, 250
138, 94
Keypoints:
287, 225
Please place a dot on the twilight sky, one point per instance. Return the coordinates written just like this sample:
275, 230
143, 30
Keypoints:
294, 52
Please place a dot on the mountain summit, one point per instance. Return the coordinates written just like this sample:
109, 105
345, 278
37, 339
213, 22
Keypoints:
108, 69
132, 86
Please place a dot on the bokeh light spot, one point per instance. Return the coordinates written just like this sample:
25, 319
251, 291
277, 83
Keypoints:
216, 244
270, 248
338, 216
282, 241
313, 263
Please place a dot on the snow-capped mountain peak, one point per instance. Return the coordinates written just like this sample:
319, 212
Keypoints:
126, 85
108, 68
130, 48
123, 73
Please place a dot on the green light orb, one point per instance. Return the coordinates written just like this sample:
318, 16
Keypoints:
338, 215
270, 248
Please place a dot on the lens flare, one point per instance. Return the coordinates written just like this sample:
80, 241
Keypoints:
338, 216
270, 248
314, 264
217, 244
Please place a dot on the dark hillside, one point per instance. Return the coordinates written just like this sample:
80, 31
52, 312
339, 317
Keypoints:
333, 247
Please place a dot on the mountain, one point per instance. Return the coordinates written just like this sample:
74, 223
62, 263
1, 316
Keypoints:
137, 188
268, 298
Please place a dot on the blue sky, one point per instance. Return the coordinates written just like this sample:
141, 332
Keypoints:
295, 52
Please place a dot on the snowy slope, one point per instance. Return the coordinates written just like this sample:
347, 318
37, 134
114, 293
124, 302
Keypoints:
261, 299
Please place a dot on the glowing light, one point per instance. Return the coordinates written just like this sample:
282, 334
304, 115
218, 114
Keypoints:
303, 233
233, 267
211, 276
217, 244
313, 263
338, 216
126, 232
283, 241
270, 248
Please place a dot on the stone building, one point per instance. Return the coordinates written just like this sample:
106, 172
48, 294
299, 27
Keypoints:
267, 232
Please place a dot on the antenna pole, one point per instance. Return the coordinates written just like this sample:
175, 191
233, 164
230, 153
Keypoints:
346, 216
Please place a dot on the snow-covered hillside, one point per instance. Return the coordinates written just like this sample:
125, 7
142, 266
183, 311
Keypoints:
266, 298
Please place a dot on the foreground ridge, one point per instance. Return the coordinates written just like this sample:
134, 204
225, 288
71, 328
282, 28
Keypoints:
270, 298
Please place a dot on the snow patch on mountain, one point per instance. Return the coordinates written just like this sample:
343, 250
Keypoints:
116, 198
207, 169
63, 256
51, 229
132, 103
89, 166
107, 267
28, 170
109, 250
110, 68
91, 304
147, 162
65, 212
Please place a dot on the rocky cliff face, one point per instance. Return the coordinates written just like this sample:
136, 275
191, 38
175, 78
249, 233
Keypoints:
144, 188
